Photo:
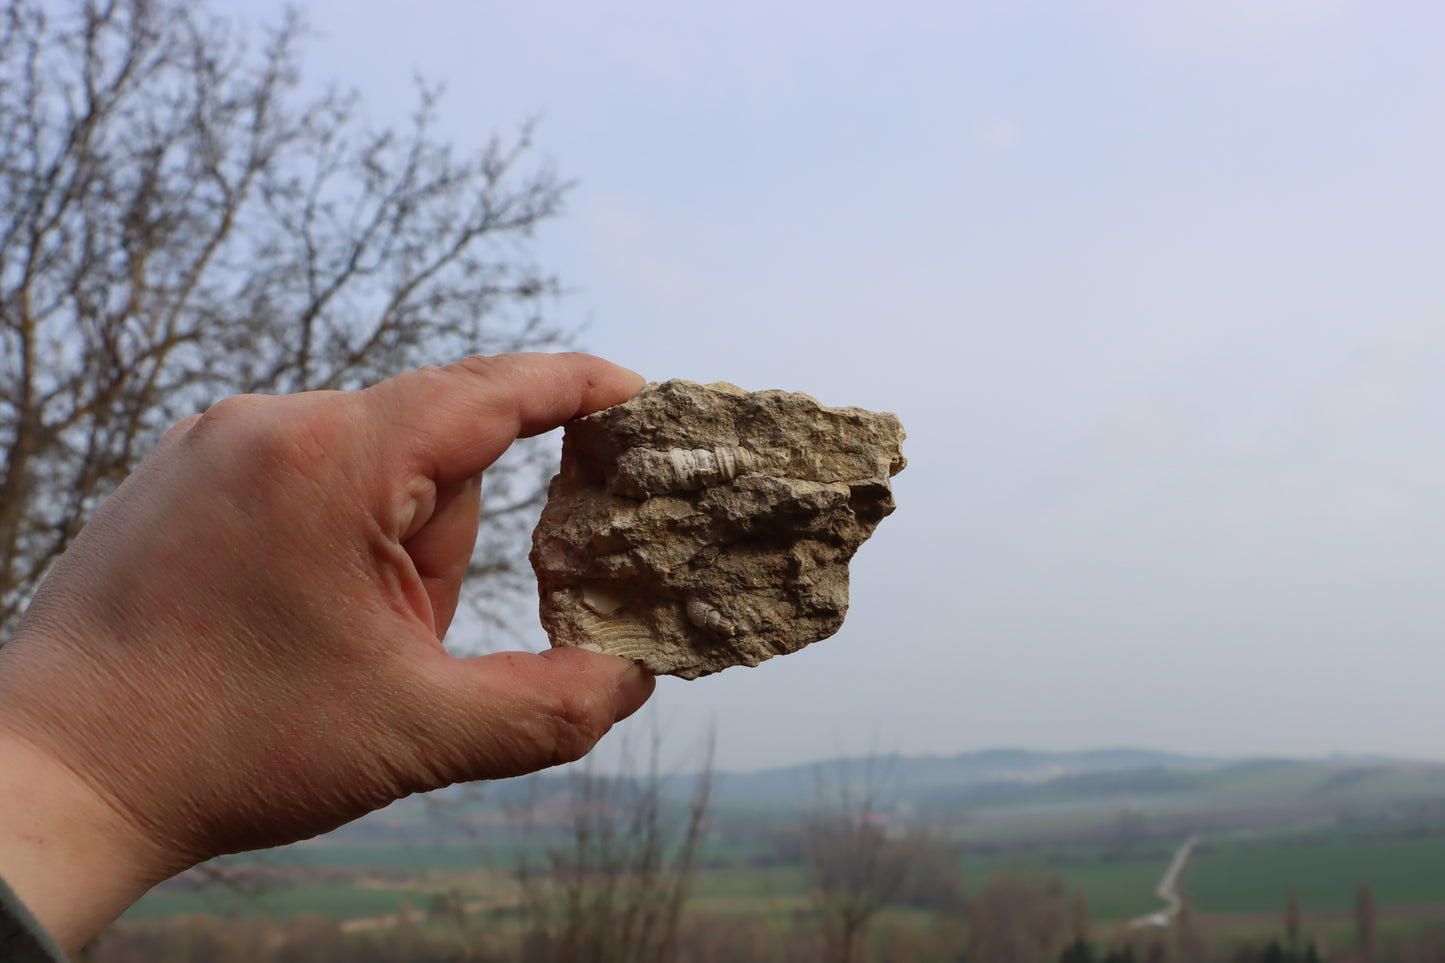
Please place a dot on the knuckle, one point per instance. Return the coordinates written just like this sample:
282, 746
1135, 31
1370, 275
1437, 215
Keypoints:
178, 431
481, 366
427, 376
268, 433
236, 409
426, 388
477, 364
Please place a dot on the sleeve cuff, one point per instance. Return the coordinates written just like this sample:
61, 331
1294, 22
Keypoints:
22, 938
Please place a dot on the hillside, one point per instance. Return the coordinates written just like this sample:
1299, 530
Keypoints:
1002, 795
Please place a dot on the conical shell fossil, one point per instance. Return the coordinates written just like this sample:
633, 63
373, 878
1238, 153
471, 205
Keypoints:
644, 472
698, 527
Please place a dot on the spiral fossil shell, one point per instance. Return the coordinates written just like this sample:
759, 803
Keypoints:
698, 527
706, 617
644, 472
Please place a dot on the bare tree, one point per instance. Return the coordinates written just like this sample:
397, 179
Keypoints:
178, 223
1020, 919
1292, 917
612, 885
856, 859
1367, 923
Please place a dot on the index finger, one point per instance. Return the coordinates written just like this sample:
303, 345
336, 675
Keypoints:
456, 420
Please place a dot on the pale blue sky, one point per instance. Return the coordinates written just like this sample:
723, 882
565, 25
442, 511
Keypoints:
1156, 289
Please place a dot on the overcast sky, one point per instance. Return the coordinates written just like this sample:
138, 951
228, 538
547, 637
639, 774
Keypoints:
1157, 289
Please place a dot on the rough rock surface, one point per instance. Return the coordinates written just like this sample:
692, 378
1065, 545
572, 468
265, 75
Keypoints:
698, 527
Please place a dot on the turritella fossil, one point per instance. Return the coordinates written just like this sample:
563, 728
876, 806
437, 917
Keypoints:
698, 527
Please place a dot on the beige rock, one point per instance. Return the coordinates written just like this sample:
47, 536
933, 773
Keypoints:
698, 527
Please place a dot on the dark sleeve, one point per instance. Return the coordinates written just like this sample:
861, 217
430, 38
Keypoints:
22, 938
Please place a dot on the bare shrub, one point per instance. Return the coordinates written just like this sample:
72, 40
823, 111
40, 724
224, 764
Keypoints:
178, 224
614, 877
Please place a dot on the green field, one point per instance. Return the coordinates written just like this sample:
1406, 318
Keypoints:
1252, 876
460, 856
1246, 874
333, 902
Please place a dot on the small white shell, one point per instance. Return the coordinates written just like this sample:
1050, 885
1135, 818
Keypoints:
644, 472
709, 619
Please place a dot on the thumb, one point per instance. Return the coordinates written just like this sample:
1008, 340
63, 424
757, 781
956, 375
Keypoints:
452, 422
511, 713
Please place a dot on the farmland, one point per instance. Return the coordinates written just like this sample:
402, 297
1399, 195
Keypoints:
1100, 838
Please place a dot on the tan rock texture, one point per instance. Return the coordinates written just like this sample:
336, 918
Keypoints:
698, 527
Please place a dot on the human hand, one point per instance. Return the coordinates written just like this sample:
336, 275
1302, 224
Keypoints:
242, 648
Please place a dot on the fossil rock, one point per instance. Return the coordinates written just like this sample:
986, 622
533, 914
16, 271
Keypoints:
698, 527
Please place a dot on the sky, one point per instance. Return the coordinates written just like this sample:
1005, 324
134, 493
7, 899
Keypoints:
1155, 288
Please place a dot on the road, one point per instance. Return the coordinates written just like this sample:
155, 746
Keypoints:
1168, 889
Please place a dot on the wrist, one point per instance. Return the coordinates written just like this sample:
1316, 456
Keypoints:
68, 854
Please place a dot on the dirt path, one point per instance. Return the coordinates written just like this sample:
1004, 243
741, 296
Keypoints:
1168, 889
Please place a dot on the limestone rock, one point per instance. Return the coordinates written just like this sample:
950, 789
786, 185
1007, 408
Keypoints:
698, 527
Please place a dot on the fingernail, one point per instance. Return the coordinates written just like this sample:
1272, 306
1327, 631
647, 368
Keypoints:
639, 379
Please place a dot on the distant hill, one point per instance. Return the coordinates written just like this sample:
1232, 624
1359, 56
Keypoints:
1003, 794
919, 779
1016, 794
